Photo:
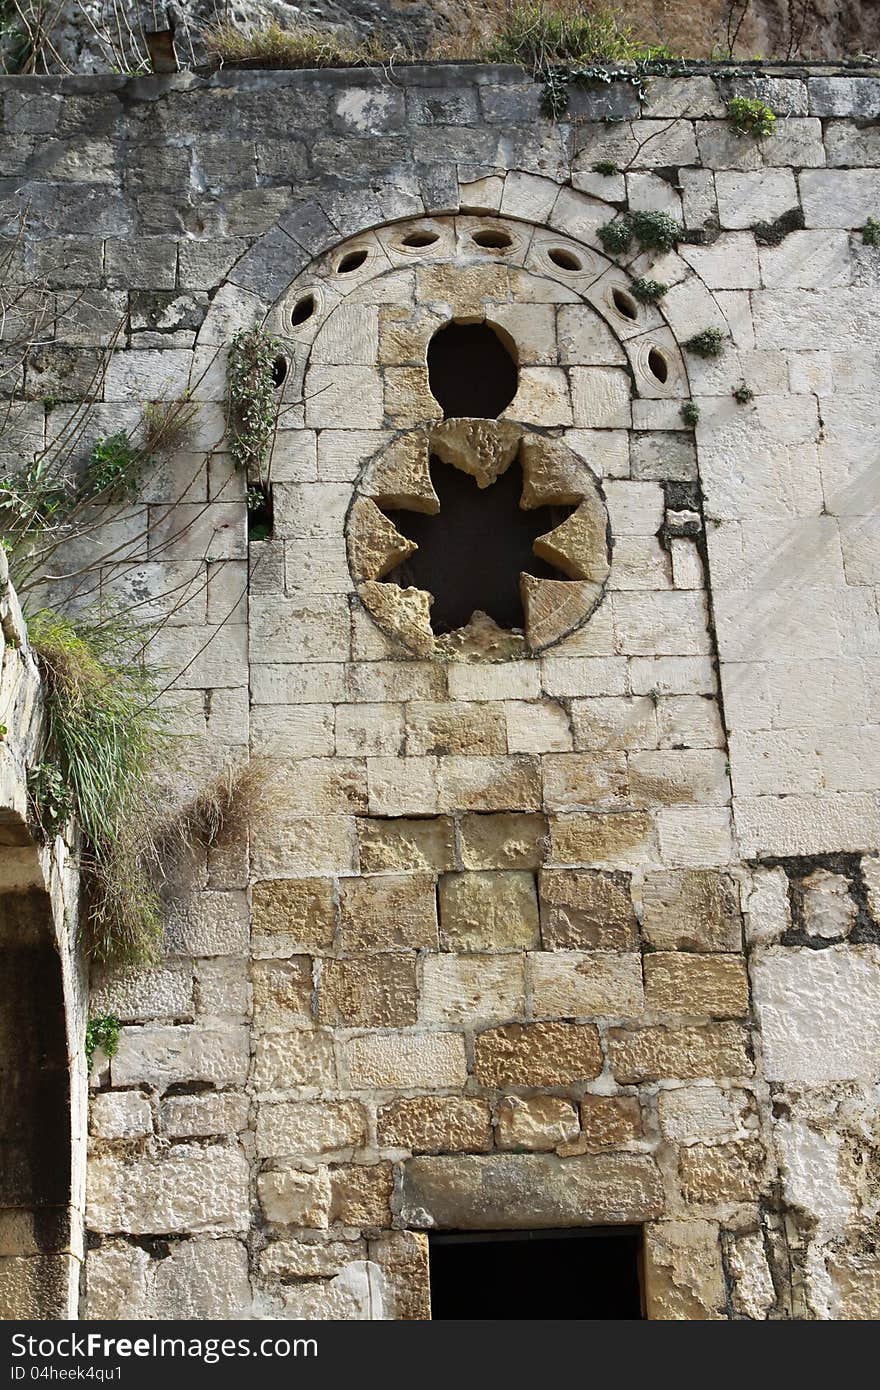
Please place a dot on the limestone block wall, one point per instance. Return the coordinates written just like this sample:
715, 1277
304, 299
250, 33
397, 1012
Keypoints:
43, 998
564, 926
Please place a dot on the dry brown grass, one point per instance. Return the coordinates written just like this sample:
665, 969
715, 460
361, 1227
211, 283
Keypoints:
274, 47
222, 811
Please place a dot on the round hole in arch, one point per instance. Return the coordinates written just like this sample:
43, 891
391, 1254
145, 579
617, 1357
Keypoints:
492, 239
472, 370
658, 366
624, 303
302, 310
566, 260
352, 261
419, 239
279, 371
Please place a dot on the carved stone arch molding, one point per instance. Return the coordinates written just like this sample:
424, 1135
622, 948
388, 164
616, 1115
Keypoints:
356, 324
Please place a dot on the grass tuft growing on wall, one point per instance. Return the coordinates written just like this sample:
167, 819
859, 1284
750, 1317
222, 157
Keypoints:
566, 33
102, 736
274, 47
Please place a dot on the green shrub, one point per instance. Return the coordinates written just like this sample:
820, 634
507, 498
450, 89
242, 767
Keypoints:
690, 413
616, 236
743, 394
113, 467
751, 117
648, 291
605, 167
655, 231
103, 1033
871, 232
251, 397
710, 343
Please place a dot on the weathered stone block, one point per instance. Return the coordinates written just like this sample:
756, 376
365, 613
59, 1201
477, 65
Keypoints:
586, 984
435, 1124
402, 1257
388, 912
406, 844
538, 1054
581, 908
187, 1052
291, 913
819, 1012
647, 1054
472, 989
120, 1115
682, 983
529, 1190
178, 1189
692, 910
502, 840
295, 1198
488, 911
361, 1194
305, 1128
610, 1121
614, 838
199, 1116
684, 1279
376, 991
403, 1060
722, 1172
283, 992
286, 1060
535, 1122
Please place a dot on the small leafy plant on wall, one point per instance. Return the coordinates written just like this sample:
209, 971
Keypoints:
251, 397
751, 117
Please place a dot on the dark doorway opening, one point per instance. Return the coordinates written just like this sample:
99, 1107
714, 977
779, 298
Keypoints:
472, 552
471, 372
581, 1274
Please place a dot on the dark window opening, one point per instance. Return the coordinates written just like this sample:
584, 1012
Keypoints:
591, 1273
279, 371
417, 239
492, 240
471, 372
260, 514
303, 310
472, 552
352, 261
566, 260
657, 364
625, 304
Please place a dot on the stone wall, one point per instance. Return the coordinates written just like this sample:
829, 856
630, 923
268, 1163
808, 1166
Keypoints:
564, 926
43, 995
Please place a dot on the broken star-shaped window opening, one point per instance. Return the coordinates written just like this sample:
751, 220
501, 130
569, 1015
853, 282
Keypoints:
472, 552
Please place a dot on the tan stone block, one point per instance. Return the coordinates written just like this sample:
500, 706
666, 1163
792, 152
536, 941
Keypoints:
295, 1198
435, 1124
409, 400
537, 1054
692, 910
464, 289
722, 1172
490, 784
378, 991
484, 449
472, 989
615, 837
586, 984
400, 476
579, 546
404, 1061
375, 546
309, 1258
587, 909
402, 1256
488, 911
304, 845
672, 777
388, 912
370, 730
855, 1279
553, 608
404, 334
283, 991
684, 1279
535, 1122
618, 723
502, 840
291, 912
307, 1128
681, 983
405, 613
609, 1121
286, 1060
405, 843
361, 1194
552, 474
580, 781
475, 729
648, 1054
529, 1191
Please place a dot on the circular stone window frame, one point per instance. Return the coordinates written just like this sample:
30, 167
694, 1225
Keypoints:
406, 618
